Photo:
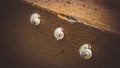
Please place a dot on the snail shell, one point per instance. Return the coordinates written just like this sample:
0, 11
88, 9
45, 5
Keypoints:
85, 51
58, 33
35, 19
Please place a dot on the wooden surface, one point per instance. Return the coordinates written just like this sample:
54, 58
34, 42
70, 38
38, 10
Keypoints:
100, 14
27, 46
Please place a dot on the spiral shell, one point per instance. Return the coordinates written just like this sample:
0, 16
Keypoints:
35, 19
85, 51
58, 33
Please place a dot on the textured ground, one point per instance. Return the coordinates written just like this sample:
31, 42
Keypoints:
23, 45
101, 14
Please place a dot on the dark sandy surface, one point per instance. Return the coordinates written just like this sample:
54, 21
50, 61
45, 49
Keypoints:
27, 46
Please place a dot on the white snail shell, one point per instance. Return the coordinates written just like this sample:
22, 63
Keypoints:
35, 19
85, 51
58, 33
